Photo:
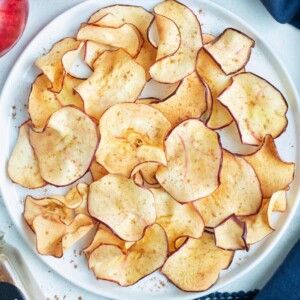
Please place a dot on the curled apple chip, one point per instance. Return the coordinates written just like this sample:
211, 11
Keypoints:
189, 101
67, 95
231, 234
141, 19
97, 171
176, 219
42, 103
231, 50
273, 173
51, 63
177, 66
125, 37
126, 266
257, 107
122, 205
136, 137
66, 147
207, 38
23, 167
196, 265
280, 204
117, 78
239, 192
217, 81
147, 171
70, 57
53, 237
194, 158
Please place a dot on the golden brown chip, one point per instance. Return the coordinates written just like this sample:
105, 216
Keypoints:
97, 171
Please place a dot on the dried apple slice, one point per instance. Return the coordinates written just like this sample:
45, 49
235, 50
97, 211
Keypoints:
189, 101
127, 266
217, 81
196, 265
125, 37
122, 205
23, 167
193, 162
257, 107
177, 66
117, 78
147, 171
280, 204
42, 103
137, 137
66, 147
231, 50
207, 38
70, 57
97, 171
53, 237
231, 234
273, 173
140, 18
67, 95
51, 63
176, 219
239, 192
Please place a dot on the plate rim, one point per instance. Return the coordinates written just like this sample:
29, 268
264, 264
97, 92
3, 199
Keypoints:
280, 232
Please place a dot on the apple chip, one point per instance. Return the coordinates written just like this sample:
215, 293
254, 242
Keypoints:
231, 50
177, 220
122, 205
177, 66
97, 171
141, 19
217, 81
70, 57
53, 237
67, 95
147, 171
66, 147
231, 234
239, 192
136, 137
207, 38
189, 101
42, 103
117, 78
51, 63
193, 162
196, 265
127, 266
257, 107
125, 37
273, 173
23, 167
180, 241
280, 204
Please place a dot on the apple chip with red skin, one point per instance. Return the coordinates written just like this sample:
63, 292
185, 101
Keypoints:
145, 172
257, 107
141, 19
231, 234
239, 192
207, 38
196, 265
194, 158
175, 67
189, 101
217, 81
51, 63
125, 265
42, 103
122, 205
116, 78
273, 173
177, 220
53, 237
23, 167
231, 50
66, 147
136, 137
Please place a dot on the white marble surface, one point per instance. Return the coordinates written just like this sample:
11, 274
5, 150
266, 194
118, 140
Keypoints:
284, 39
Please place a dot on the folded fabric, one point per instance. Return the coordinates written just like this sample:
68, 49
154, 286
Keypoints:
285, 284
284, 11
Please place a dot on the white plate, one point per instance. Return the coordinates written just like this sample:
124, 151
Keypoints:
214, 19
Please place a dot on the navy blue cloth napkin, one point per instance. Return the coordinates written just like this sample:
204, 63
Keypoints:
284, 11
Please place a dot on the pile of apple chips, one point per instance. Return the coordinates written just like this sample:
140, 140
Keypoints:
165, 193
